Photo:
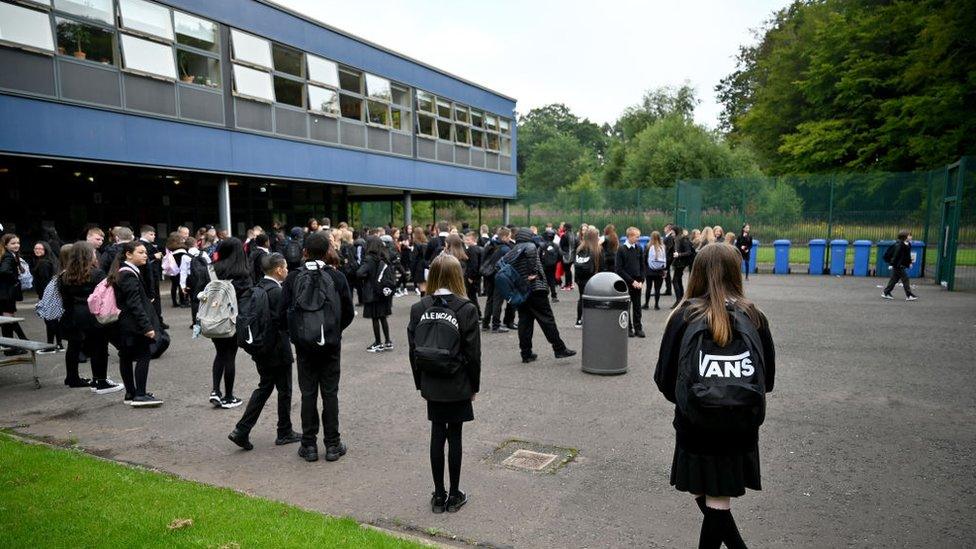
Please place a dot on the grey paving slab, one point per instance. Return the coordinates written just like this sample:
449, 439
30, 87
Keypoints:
869, 439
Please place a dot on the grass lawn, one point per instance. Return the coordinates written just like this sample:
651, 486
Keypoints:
63, 498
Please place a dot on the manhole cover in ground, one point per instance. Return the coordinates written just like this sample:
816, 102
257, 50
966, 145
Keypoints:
533, 457
527, 459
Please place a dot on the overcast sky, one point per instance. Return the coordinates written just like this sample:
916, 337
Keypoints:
596, 57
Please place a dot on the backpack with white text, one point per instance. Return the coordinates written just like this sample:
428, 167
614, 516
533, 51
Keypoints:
314, 313
549, 255
217, 314
583, 264
722, 389
170, 266
254, 329
385, 278
437, 338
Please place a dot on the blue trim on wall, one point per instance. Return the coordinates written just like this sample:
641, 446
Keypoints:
285, 28
52, 129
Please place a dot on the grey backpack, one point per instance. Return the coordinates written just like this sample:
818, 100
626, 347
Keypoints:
218, 307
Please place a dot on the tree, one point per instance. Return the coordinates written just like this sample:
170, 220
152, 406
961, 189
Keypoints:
544, 123
656, 104
555, 162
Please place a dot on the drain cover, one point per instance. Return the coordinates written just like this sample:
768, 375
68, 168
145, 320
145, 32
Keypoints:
527, 459
533, 457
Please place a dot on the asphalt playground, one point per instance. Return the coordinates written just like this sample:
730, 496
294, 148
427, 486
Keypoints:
868, 442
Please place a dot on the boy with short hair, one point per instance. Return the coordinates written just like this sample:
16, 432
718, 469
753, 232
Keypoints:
631, 267
274, 366
899, 257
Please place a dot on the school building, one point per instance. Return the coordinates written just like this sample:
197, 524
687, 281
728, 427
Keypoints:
233, 113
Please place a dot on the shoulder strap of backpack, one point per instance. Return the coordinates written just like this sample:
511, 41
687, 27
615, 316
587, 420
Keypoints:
210, 268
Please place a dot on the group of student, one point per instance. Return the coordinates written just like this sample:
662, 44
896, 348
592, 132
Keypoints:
307, 306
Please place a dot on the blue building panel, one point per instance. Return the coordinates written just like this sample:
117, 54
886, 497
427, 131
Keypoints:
42, 128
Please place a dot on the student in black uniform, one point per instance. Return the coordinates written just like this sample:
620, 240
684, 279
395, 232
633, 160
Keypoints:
899, 258
45, 269
153, 270
230, 264
550, 256
669, 252
497, 247
567, 245
472, 271
683, 256
655, 255
10, 290
176, 245
418, 266
259, 249
631, 268
588, 262
744, 243
610, 245
437, 243
274, 367
378, 306
137, 325
319, 368
438, 322
715, 457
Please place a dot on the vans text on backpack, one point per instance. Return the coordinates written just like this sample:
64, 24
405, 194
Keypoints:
218, 307
314, 314
437, 338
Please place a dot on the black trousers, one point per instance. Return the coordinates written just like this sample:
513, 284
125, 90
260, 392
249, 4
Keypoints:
899, 274
319, 373
274, 374
95, 345
134, 351
568, 272
635, 310
652, 285
472, 290
581, 286
537, 309
175, 293
551, 279
53, 331
677, 283
493, 308
667, 279
224, 364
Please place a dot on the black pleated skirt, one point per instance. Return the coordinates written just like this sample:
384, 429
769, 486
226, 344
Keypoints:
715, 475
450, 412
379, 309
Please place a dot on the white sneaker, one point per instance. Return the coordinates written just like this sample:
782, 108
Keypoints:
886, 296
579, 324
912, 298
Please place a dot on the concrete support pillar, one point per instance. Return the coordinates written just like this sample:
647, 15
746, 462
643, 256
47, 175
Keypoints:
407, 208
505, 217
223, 204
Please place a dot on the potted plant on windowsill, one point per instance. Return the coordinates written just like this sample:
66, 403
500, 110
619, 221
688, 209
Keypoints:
74, 34
185, 75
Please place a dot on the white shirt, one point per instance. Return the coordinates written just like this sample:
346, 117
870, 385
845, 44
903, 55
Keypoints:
442, 291
628, 244
276, 281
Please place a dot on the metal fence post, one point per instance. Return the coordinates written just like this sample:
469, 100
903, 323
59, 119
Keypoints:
528, 214
928, 218
580, 210
637, 213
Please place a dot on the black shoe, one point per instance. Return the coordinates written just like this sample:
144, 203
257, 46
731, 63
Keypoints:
215, 398
438, 502
16, 352
630, 334
163, 325
240, 439
308, 453
290, 438
640, 334
529, 358
499, 330
486, 328
456, 501
667, 292
555, 299
512, 326
80, 382
565, 353
127, 399
656, 308
646, 307
230, 402
334, 452
146, 401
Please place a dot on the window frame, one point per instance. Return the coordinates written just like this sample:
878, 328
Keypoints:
302, 62
52, 35
112, 22
141, 72
254, 65
288, 77
308, 90
320, 83
116, 49
217, 37
213, 55
236, 93
120, 19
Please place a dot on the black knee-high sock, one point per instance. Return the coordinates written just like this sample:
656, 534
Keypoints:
718, 526
730, 532
386, 329
19, 331
438, 436
700, 500
454, 455
376, 331
711, 530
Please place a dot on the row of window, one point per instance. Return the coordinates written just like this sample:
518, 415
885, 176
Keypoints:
160, 42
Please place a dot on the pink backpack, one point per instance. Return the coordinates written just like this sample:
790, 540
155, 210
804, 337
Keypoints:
101, 302
170, 266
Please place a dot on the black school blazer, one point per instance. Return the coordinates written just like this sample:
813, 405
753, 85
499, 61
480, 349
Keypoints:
467, 380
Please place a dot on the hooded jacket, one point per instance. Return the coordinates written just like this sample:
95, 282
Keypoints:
524, 257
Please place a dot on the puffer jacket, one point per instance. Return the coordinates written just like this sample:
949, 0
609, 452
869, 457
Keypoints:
524, 257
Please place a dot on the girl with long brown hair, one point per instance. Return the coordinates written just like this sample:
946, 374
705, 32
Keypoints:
611, 241
418, 268
657, 266
587, 262
10, 289
712, 461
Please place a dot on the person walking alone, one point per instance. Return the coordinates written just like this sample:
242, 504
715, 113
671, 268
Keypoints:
899, 257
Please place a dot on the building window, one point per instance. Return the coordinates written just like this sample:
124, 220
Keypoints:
251, 49
351, 80
84, 41
491, 123
198, 69
378, 88
351, 107
461, 134
461, 114
401, 96
476, 118
290, 92
97, 10
400, 120
444, 130
253, 83
45, 3
504, 126
196, 33
323, 100
26, 27
147, 56
288, 61
443, 109
477, 138
425, 101
322, 71
506, 148
425, 125
378, 112
492, 141
146, 17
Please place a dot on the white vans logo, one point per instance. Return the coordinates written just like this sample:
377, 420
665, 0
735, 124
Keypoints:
725, 366
321, 341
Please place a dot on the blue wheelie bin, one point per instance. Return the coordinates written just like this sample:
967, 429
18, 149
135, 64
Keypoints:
752, 257
838, 257
918, 259
862, 258
781, 260
818, 249
880, 267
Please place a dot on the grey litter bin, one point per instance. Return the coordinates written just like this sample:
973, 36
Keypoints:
606, 312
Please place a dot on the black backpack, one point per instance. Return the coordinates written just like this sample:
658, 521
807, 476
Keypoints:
199, 275
583, 264
254, 330
313, 315
385, 278
567, 244
722, 389
293, 254
437, 338
889, 255
550, 255
490, 261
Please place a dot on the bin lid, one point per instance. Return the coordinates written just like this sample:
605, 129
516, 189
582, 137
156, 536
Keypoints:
818, 241
885, 242
862, 242
606, 286
782, 242
838, 241
918, 244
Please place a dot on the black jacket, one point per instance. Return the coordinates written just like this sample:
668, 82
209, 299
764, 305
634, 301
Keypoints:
281, 350
630, 264
668, 241
467, 380
10, 279
685, 251
137, 314
346, 310
368, 273
434, 248
608, 260
528, 263
666, 376
567, 246
77, 317
257, 254
472, 271
901, 258
108, 256
744, 241
43, 273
